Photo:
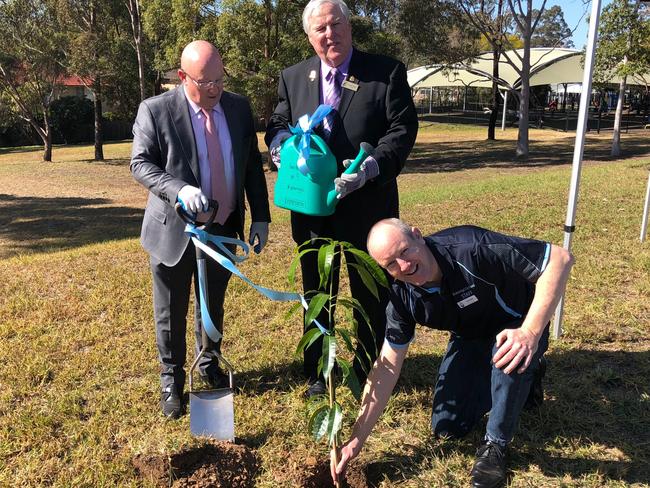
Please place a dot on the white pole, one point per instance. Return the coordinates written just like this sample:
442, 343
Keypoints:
430, 99
505, 107
569, 225
644, 221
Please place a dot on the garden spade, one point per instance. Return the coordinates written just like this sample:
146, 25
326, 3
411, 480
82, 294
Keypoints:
212, 412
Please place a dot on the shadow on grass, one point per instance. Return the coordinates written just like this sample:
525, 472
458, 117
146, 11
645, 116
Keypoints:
34, 224
594, 421
280, 378
435, 157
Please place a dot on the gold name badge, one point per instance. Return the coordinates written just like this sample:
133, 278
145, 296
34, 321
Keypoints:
350, 84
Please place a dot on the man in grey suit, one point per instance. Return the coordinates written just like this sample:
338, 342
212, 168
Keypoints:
191, 144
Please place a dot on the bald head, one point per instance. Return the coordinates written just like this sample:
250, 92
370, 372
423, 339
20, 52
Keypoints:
402, 251
202, 73
198, 54
384, 231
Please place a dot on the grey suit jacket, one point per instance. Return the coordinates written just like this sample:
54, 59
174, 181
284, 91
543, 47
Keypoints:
164, 159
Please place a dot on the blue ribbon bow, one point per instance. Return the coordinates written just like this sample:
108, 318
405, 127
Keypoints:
305, 127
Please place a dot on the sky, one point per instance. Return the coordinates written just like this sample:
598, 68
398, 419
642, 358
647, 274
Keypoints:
575, 14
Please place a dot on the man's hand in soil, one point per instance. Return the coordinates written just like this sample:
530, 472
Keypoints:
349, 451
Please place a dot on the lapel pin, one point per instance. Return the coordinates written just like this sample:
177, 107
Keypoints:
312, 75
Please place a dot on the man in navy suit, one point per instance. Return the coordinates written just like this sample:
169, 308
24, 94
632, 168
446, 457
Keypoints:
372, 103
191, 144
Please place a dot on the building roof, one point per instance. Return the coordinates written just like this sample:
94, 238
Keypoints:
548, 65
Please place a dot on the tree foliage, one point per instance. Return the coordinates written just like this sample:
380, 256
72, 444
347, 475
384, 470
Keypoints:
31, 53
623, 50
552, 30
623, 42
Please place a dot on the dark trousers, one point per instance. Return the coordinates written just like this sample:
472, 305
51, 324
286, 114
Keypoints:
171, 294
370, 336
469, 386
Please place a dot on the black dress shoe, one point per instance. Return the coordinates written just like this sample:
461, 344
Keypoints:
216, 380
316, 387
536, 395
170, 402
489, 469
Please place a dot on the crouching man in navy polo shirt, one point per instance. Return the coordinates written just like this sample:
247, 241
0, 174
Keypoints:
495, 294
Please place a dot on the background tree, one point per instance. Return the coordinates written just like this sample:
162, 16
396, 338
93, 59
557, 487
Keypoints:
552, 30
257, 40
434, 32
169, 25
31, 54
494, 24
133, 6
526, 20
623, 50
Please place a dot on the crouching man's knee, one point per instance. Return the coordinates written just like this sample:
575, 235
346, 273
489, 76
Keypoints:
449, 428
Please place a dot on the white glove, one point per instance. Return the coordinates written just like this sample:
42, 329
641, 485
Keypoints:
347, 183
275, 156
193, 199
276, 145
261, 231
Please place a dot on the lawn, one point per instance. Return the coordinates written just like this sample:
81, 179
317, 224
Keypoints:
78, 361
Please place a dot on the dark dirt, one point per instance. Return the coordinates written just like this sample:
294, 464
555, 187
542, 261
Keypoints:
317, 475
212, 465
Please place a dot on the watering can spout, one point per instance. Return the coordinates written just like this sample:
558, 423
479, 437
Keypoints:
365, 150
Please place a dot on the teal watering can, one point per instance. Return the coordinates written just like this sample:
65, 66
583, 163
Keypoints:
305, 181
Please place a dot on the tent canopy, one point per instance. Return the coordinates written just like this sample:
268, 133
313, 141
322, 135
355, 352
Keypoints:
548, 66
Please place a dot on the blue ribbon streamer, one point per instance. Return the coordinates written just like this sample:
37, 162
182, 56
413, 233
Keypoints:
200, 238
305, 128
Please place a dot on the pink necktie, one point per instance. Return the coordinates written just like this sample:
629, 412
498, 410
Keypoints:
219, 189
331, 97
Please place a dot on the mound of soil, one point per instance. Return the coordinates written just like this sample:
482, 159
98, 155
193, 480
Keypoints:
317, 475
212, 465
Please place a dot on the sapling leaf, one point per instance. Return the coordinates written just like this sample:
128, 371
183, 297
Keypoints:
370, 264
292, 309
354, 304
349, 377
366, 277
319, 422
329, 354
315, 402
291, 276
326, 256
347, 340
334, 423
352, 381
316, 304
308, 338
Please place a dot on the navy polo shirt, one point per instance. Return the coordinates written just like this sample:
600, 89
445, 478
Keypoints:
488, 281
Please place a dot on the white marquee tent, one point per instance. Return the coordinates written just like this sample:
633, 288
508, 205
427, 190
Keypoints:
548, 66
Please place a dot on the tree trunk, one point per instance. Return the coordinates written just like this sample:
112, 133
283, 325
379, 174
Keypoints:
99, 147
616, 138
47, 140
495, 95
136, 26
522, 138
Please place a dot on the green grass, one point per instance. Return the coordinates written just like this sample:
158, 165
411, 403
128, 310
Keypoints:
78, 367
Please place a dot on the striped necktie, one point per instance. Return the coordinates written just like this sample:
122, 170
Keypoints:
332, 97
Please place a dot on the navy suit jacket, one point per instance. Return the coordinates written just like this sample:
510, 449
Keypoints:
380, 112
164, 158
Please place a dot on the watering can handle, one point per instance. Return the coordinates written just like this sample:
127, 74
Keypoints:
365, 150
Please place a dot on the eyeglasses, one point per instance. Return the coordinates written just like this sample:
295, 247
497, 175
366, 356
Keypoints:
206, 85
